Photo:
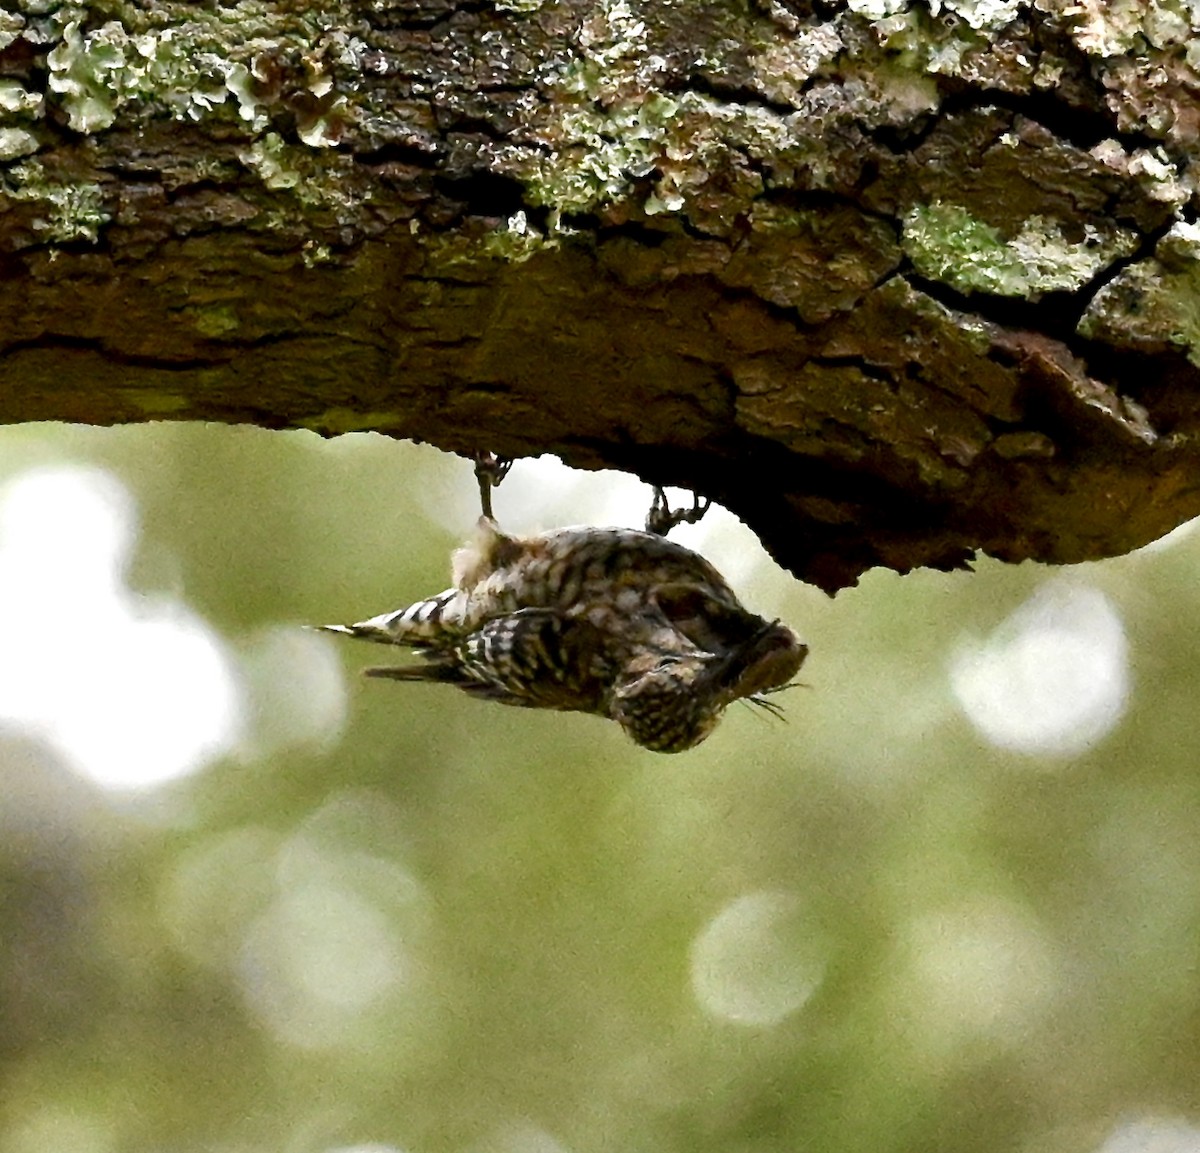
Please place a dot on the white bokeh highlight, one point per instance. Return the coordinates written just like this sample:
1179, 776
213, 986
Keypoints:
321, 955
519, 1138
1153, 1135
130, 691
333, 952
371, 1148
1053, 678
64, 1126
294, 687
981, 968
758, 960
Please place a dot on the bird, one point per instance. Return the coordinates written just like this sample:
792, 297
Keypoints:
617, 622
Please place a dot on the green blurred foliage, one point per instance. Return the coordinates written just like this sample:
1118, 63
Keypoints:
458, 927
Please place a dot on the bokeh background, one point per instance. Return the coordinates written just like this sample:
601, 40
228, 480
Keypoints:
249, 902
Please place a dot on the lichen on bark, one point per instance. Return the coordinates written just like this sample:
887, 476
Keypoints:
896, 281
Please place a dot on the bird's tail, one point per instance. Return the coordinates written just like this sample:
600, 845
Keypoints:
418, 625
433, 671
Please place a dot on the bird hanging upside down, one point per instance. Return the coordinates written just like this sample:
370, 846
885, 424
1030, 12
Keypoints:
612, 621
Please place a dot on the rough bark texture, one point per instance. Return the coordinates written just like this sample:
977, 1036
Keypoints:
895, 282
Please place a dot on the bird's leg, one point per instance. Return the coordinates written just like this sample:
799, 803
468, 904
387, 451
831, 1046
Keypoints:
662, 518
490, 470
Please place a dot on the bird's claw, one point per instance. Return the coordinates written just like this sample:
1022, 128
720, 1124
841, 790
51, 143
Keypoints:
490, 470
662, 518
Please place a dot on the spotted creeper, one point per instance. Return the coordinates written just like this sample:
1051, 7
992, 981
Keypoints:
612, 621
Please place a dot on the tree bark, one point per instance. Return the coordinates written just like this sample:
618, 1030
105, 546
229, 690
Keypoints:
896, 283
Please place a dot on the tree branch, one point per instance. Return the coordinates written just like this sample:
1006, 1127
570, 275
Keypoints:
894, 288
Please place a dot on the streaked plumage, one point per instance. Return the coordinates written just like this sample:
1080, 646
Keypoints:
612, 621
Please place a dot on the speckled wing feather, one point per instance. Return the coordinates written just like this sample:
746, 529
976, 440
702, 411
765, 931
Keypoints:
536, 658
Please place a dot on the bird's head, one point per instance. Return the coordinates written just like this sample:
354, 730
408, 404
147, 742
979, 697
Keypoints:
676, 703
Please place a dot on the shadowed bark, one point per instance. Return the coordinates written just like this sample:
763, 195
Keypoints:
894, 287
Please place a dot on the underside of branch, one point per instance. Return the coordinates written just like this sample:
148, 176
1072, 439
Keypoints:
896, 287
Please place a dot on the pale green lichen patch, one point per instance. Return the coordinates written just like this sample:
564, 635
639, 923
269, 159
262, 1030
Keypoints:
1117, 27
517, 240
16, 98
514, 241
1155, 301
1152, 169
878, 9
314, 180
783, 68
1146, 54
609, 133
946, 243
66, 211
604, 151
678, 142
11, 24
921, 42
274, 160
315, 254
982, 15
186, 60
19, 111
85, 72
16, 142
94, 72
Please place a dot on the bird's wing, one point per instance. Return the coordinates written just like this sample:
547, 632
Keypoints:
537, 658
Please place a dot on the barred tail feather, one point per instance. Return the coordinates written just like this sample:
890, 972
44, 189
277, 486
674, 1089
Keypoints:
431, 672
436, 666
419, 624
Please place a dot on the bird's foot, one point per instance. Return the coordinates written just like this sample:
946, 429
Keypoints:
490, 470
662, 518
